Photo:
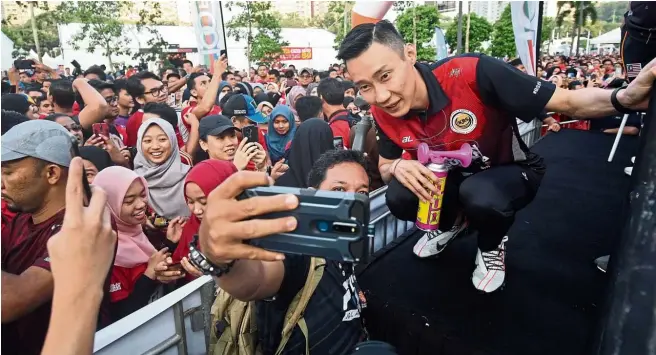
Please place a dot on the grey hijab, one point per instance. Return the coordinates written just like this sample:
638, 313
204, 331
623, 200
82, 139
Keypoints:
165, 181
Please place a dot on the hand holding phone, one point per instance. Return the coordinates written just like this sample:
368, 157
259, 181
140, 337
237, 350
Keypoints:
100, 129
246, 151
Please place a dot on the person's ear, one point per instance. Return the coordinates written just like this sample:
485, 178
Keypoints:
54, 174
410, 53
141, 100
203, 145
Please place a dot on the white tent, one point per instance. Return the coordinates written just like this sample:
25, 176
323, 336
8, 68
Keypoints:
612, 37
320, 40
7, 48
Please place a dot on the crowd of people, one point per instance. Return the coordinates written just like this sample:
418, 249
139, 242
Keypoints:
168, 152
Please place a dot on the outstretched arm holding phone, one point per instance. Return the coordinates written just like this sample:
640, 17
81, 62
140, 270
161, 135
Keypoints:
95, 107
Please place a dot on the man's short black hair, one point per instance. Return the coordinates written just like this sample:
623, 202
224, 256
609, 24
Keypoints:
188, 61
94, 69
135, 87
62, 93
308, 107
516, 62
100, 85
191, 81
331, 91
275, 72
173, 75
120, 84
289, 74
360, 38
164, 111
54, 116
331, 70
329, 160
224, 75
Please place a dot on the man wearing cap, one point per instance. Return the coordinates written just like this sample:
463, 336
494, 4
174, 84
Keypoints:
35, 159
218, 137
305, 77
243, 112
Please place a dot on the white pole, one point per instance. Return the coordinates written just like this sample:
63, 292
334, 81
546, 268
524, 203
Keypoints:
617, 137
587, 44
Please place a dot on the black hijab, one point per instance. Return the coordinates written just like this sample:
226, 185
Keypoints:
98, 156
313, 138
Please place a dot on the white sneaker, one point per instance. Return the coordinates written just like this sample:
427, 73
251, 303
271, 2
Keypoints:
433, 243
633, 160
490, 271
628, 170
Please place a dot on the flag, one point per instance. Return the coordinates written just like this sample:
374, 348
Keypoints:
207, 17
440, 44
525, 26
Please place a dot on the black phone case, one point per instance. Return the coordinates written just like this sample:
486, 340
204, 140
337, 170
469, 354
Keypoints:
250, 132
319, 206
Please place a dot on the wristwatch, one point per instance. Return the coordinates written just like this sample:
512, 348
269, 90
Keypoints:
202, 263
616, 103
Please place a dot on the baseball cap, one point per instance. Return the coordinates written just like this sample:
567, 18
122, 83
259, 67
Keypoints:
243, 105
309, 70
214, 125
40, 139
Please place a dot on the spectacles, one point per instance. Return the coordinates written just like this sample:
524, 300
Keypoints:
111, 99
305, 76
73, 127
158, 91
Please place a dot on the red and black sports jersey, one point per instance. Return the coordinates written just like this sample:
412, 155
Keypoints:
472, 98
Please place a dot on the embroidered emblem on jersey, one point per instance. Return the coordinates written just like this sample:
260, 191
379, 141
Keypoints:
115, 287
454, 73
463, 121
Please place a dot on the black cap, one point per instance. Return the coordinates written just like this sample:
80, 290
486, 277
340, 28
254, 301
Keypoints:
214, 125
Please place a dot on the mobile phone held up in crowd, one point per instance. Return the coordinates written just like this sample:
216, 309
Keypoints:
24, 64
338, 142
100, 129
75, 152
252, 133
223, 52
331, 224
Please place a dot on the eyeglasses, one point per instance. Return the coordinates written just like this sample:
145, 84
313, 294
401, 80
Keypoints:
73, 127
111, 99
158, 91
306, 76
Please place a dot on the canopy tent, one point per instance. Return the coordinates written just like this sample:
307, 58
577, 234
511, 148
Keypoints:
612, 37
7, 47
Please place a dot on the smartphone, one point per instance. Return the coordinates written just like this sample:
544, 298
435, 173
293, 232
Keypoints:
160, 222
571, 75
338, 142
100, 129
24, 64
223, 52
331, 224
618, 71
252, 133
175, 267
75, 152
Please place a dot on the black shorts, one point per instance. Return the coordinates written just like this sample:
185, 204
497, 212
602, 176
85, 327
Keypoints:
637, 49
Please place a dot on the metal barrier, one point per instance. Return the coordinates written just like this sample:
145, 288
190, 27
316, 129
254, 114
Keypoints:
179, 322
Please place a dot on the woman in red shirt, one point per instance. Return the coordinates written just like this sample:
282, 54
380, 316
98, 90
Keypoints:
134, 279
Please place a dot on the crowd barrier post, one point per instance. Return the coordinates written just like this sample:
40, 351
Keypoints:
627, 323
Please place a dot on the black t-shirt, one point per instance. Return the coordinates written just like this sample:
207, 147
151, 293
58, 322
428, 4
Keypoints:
499, 85
332, 315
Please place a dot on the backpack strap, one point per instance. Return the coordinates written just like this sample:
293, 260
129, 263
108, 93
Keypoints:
294, 315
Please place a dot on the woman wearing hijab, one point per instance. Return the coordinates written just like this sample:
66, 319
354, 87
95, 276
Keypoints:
224, 88
257, 88
95, 160
295, 92
313, 138
201, 180
134, 279
312, 89
158, 162
265, 107
282, 127
272, 87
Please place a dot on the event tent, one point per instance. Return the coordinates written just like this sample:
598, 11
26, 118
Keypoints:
612, 37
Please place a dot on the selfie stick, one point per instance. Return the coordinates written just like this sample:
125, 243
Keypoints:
617, 137
428, 214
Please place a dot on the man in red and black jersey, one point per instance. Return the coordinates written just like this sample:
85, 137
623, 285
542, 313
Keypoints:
468, 98
35, 160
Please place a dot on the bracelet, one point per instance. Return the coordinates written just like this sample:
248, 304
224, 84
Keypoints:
616, 104
394, 164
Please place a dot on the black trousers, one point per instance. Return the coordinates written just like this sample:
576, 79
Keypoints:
489, 200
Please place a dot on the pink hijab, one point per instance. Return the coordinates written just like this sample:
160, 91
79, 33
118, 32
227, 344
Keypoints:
134, 248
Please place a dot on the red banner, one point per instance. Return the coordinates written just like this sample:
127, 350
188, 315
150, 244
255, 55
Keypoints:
296, 53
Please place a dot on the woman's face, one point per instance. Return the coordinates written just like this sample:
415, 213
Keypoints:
196, 199
90, 169
317, 78
281, 124
155, 145
271, 87
133, 209
226, 89
266, 110
257, 90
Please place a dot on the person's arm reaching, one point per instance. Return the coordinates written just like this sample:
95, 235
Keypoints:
21, 294
192, 142
205, 105
95, 107
174, 87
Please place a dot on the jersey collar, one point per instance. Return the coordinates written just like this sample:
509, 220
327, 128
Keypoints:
437, 99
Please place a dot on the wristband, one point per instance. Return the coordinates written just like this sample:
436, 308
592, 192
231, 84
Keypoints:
616, 104
202, 263
394, 164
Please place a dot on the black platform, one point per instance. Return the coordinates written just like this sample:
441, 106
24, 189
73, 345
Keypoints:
550, 303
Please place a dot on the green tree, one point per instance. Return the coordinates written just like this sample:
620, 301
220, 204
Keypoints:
337, 20
503, 37
573, 10
611, 11
479, 32
292, 20
427, 18
258, 24
102, 28
23, 36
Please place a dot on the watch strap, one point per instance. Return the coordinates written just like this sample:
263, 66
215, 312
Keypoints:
201, 262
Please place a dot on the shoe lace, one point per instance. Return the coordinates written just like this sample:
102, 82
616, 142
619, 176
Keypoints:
494, 259
437, 232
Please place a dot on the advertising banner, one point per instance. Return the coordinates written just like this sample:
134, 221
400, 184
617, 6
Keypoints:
207, 17
296, 53
525, 25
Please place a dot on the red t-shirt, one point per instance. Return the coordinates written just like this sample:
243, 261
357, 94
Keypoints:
123, 280
7, 215
132, 130
24, 245
214, 111
341, 127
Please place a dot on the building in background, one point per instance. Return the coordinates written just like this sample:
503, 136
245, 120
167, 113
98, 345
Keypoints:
304, 9
490, 10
